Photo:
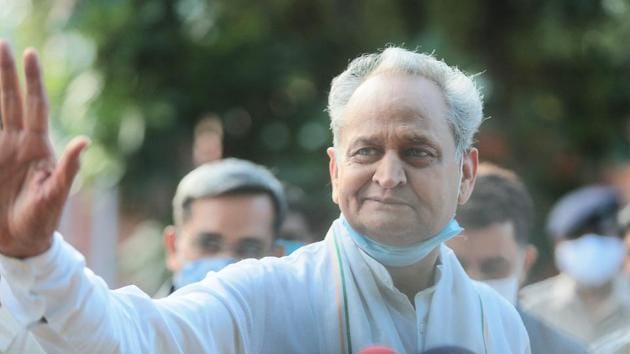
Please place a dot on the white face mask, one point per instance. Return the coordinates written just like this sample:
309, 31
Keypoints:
591, 260
506, 287
393, 256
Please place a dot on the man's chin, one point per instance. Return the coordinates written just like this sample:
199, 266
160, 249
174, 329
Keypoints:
392, 232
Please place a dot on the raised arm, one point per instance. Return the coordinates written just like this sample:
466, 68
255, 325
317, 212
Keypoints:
33, 185
44, 281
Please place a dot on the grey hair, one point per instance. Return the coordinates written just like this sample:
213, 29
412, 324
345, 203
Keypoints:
227, 177
463, 99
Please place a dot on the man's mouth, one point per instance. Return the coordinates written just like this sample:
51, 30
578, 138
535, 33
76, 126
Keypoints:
387, 201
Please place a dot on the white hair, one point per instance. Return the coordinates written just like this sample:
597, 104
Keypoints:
228, 177
463, 98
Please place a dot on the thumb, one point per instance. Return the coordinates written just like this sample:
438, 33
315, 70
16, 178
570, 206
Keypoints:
69, 164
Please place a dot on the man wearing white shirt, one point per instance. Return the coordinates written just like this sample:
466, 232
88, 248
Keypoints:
402, 160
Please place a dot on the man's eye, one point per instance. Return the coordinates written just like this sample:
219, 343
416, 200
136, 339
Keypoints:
367, 151
208, 243
414, 152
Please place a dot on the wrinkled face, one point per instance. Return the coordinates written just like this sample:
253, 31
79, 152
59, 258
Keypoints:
235, 226
394, 172
490, 252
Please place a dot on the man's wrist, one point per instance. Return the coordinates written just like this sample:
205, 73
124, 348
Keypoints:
28, 250
41, 259
21, 279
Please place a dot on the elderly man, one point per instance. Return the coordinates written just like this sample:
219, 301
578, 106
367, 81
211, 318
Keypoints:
402, 160
495, 248
224, 211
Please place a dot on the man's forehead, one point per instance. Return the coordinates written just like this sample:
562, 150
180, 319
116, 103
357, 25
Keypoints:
222, 206
494, 236
409, 109
399, 93
243, 196
400, 132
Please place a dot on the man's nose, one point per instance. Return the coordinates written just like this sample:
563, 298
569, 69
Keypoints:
390, 171
226, 253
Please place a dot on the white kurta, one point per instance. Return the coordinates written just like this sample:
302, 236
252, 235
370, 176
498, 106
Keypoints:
328, 297
14, 338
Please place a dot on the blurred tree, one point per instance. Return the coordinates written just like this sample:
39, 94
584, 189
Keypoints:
138, 74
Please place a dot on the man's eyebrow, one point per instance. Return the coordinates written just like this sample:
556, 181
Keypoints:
203, 238
208, 235
413, 138
416, 138
364, 140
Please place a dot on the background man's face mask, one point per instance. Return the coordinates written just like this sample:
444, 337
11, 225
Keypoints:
591, 260
289, 246
196, 270
508, 286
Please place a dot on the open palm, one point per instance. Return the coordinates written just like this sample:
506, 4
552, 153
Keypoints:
33, 186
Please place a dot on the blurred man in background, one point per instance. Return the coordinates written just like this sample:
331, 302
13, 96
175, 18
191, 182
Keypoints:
618, 342
494, 247
224, 211
141, 255
295, 231
586, 298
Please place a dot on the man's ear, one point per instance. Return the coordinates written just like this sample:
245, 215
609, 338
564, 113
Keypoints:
531, 255
170, 245
332, 169
469, 174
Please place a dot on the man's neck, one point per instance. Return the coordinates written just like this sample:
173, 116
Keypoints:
412, 279
594, 295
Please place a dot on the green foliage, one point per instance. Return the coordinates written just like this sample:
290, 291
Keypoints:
136, 75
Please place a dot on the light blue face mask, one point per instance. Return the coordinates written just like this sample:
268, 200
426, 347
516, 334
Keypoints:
289, 246
196, 270
393, 256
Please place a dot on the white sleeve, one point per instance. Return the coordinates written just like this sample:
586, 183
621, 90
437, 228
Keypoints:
15, 339
70, 308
